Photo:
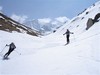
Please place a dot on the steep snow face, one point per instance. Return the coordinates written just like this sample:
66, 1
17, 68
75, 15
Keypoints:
79, 23
47, 25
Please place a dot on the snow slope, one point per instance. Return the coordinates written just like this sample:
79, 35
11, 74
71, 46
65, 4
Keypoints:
48, 56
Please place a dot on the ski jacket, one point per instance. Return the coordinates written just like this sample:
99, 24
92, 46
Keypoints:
67, 32
12, 46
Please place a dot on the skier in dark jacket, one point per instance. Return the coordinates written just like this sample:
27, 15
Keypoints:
11, 48
68, 35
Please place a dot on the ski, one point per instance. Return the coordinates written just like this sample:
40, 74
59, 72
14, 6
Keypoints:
5, 58
66, 44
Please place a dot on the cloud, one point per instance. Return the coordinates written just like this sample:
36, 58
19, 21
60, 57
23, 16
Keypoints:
1, 8
44, 21
62, 19
19, 18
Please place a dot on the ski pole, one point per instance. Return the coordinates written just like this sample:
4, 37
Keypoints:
2, 49
74, 37
17, 52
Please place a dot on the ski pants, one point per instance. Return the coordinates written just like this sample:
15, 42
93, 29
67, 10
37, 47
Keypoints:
68, 38
8, 53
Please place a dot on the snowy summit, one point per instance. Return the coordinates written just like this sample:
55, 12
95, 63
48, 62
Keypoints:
47, 25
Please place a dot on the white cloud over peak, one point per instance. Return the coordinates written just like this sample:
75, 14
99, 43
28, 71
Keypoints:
44, 20
19, 18
62, 19
1, 8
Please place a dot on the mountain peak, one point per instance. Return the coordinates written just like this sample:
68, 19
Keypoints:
47, 25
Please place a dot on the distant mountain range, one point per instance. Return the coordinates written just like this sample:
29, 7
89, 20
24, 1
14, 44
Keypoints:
47, 25
35, 27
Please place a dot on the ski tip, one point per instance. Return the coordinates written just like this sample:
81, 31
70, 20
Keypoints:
6, 58
66, 44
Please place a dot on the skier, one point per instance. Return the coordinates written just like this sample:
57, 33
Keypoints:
68, 35
11, 48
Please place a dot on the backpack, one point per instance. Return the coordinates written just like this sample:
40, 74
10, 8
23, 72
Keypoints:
12, 46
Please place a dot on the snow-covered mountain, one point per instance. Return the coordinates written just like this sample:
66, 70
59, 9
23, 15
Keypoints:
79, 22
10, 25
48, 55
47, 25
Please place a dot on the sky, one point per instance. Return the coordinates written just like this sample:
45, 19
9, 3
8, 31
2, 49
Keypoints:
35, 9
